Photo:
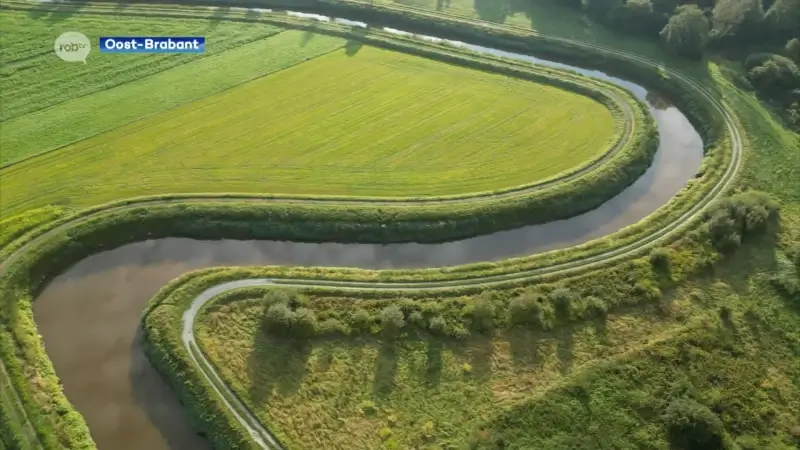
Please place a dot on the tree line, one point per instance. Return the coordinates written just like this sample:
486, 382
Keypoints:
769, 30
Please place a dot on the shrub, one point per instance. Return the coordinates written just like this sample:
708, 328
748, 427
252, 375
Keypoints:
596, 307
304, 324
276, 295
730, 220
438, 325
691, 425
417, 319
562, 298
482, 315
278, 318
773, 74
659, 258
531, 309
392, 319
333, 326
362, 320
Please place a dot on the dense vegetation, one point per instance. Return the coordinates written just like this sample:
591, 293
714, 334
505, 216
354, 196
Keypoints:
304, 360
770, 406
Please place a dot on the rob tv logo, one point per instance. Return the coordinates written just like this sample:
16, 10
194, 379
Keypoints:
73, 47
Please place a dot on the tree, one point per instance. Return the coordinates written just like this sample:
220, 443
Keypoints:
686, 32
638, 17
278, 318
783, 18
482, 314
776, 76
362, 320
392, 319
693, 426
736, 19
793, 50
304, 324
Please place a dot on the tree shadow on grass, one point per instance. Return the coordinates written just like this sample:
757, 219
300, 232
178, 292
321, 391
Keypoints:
385, 369
480, 351
217, 16
277, 364
524, 346
352, 47
53, 13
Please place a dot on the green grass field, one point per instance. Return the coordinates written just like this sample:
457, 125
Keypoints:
377, 123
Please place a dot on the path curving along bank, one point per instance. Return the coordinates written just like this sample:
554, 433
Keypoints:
615, 254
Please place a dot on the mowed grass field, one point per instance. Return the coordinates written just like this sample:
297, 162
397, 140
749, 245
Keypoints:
354, 121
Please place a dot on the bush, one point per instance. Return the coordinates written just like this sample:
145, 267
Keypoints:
772, 74
278, 318
691, 425
482, 315
659, 258
438, 325
417, 319
333, 326
304, 324
392, 319
531, 309
277, 295
730, 220
562, 298
596, 307
362, 320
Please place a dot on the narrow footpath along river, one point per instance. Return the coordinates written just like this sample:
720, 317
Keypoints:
89, 316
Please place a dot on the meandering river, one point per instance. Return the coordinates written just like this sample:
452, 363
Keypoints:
89, 316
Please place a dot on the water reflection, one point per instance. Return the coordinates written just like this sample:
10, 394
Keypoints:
89, 316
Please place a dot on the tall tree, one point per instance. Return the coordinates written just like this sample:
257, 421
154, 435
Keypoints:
736, 19
783, 17
686, 33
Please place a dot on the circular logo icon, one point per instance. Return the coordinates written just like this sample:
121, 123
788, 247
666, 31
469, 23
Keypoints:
73, 47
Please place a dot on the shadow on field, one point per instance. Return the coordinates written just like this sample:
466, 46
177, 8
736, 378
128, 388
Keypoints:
55, 12
217, 17
276, 364
385, 369
353, 46
442, 4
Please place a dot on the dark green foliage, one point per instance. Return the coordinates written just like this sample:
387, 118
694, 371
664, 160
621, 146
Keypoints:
732, 219
783, 18
531, 309
659, 258
482, 314
277, 295
278, 318
304, 323
333, 326
438, 325
793, 50
692, 426
362, 320
562, 298
773, 74
686, 33
734, 20
392, 319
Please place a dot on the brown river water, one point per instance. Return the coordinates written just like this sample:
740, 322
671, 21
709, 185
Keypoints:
89, 316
